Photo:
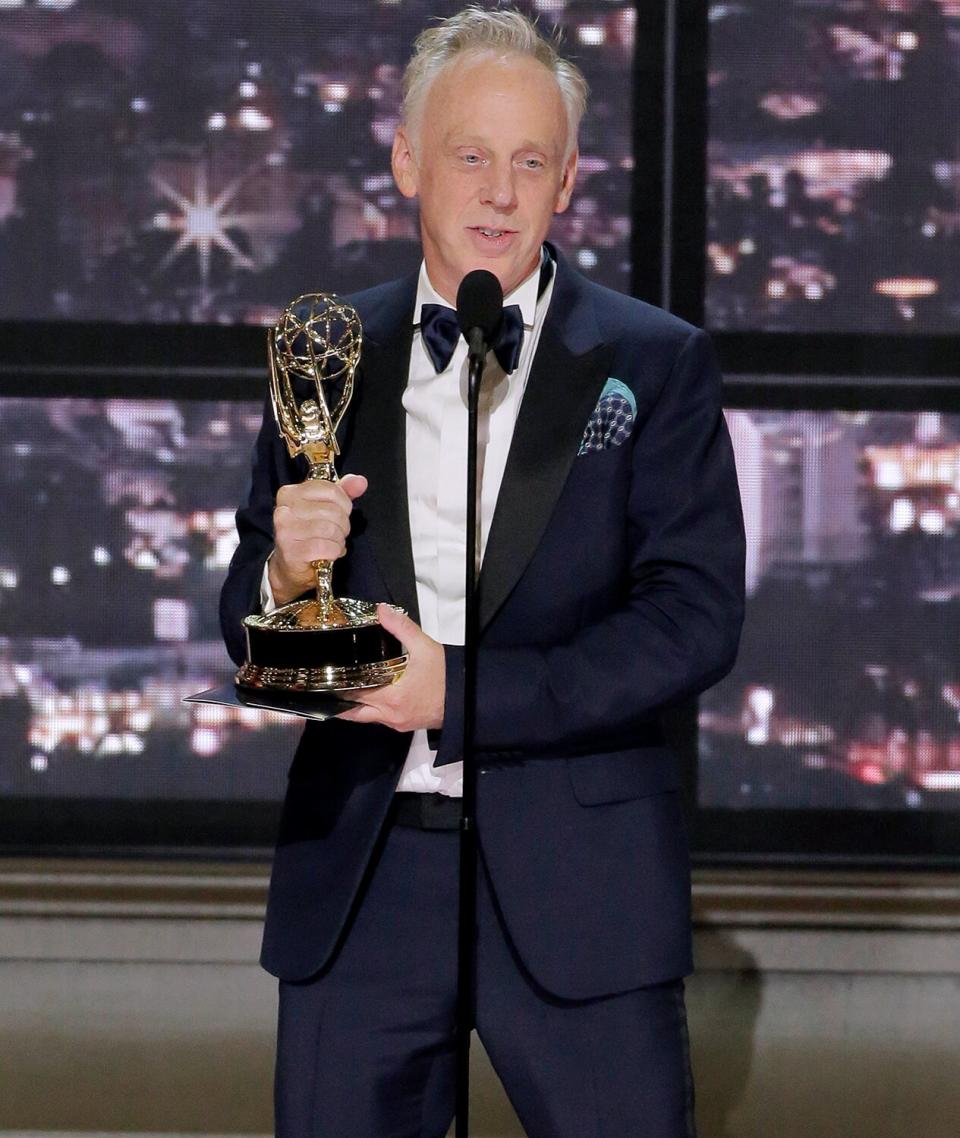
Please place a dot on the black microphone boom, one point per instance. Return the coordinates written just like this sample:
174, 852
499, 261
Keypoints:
479, 309
479, 314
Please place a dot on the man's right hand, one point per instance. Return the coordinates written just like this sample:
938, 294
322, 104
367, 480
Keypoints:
311, 521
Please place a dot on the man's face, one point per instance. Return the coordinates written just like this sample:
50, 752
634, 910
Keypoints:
487, 163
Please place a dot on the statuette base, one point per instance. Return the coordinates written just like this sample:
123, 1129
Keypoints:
310, 647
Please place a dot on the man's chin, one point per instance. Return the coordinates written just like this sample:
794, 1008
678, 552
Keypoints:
505, 268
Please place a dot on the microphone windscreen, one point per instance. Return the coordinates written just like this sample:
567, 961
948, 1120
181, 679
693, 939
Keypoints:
480, 304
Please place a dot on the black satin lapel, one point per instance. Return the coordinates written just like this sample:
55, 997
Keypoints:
377, 449
562, 390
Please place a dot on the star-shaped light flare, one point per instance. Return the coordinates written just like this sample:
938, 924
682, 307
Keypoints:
203, 223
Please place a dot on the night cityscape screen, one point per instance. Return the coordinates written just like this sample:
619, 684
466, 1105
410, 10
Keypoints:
846, 693
209, 160
833, 199
117, 528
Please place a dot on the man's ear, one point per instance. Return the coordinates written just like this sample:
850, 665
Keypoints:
567, 182
403, 162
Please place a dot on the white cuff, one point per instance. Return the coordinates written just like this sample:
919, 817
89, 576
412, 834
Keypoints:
267, 603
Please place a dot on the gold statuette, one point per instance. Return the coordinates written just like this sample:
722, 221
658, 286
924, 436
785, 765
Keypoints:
323, 643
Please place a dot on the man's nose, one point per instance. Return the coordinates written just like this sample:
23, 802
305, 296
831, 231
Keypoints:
500, 188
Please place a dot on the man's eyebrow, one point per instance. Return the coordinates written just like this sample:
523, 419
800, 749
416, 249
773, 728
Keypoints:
463, 138
541, 147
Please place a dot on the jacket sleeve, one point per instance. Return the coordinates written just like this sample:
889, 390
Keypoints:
676, 632
240, 596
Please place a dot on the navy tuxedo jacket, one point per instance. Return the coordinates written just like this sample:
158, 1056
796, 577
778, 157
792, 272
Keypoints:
611, 587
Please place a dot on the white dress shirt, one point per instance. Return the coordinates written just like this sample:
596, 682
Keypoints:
436, 453
436, 406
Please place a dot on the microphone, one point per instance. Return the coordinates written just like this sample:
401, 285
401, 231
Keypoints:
479, 310
479, 314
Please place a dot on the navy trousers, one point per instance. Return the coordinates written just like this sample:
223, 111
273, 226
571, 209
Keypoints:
366, 1048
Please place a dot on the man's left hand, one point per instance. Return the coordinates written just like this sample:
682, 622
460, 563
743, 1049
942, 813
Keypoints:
416, 699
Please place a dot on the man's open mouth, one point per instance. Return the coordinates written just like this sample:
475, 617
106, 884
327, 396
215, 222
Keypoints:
491, 233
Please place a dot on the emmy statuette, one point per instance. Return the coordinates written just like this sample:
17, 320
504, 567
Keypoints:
321, 643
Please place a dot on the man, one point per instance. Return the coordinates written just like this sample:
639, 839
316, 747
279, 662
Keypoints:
611, 586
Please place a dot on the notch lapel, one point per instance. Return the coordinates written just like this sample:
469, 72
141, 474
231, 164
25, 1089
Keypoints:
376, 444
565, 381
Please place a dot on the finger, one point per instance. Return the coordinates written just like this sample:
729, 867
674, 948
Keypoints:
354, 485
311, 516
360, 714
399, 624
313, 491
288, 528
369, 697
306, 553
297, 548
325, 544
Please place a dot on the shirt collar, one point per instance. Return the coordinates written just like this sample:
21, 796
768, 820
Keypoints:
525, 294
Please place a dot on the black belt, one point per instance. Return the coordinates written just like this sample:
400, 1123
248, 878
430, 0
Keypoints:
427, 811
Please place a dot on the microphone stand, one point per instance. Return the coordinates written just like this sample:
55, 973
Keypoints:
467, 923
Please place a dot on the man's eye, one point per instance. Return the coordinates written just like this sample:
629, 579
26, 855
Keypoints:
532, 163
472, 159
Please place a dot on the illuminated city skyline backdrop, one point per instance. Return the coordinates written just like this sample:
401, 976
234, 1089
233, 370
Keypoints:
206, 162
833, 197
116, 526
846, 691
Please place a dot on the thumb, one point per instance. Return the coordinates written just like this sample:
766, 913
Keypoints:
398, 624
353, 485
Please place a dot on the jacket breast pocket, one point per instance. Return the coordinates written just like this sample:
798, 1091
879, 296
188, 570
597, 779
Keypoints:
619, 776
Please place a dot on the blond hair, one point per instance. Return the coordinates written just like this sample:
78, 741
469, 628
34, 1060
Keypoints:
477, 30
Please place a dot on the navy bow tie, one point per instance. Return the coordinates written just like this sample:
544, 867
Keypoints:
440, 332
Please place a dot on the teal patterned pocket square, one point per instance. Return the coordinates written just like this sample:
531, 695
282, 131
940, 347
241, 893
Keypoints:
611, 422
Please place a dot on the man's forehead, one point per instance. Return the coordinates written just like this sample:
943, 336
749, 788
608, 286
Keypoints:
536, 115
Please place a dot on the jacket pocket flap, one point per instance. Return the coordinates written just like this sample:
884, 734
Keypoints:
618, 776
